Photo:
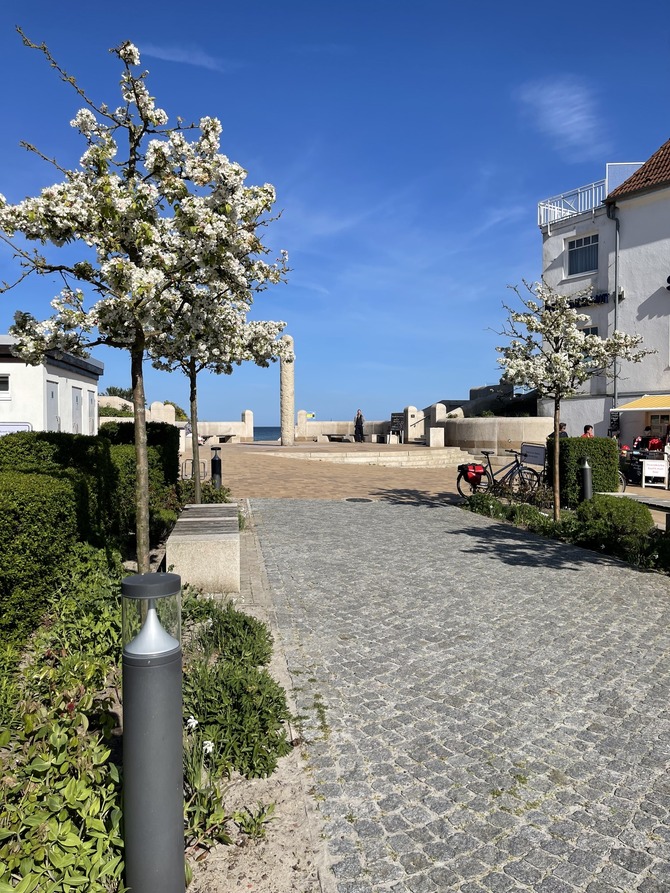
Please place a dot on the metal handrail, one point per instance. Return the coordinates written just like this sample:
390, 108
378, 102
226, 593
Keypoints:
567, 204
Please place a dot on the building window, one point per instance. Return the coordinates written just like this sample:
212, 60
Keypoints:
590, 330
4, 388
659, 424
583, 255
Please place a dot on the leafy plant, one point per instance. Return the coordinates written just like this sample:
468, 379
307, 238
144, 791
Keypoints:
254, 822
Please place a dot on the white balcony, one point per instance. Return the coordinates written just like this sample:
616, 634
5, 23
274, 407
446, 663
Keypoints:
584, 198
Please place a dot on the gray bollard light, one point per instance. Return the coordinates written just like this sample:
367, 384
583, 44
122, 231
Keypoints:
587, 479
153, 788
216, 468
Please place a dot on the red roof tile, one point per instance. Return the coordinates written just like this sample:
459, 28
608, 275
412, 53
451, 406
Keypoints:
654, 174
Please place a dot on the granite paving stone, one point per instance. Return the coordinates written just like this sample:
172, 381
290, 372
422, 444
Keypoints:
484, 711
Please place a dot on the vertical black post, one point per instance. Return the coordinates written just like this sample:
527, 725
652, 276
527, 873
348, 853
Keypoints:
153, 791
587, 479
216, 468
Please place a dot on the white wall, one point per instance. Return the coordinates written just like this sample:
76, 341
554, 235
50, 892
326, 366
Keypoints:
644, 265
27, 398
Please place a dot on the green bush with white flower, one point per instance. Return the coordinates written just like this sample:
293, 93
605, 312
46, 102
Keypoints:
61, 805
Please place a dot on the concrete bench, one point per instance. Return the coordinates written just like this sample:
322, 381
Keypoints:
204, 547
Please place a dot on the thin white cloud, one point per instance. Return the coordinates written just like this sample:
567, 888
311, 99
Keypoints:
565, 110
185, 55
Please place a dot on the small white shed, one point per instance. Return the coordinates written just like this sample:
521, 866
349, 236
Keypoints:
61, 394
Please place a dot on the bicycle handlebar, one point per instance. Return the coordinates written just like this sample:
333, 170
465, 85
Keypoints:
516, 452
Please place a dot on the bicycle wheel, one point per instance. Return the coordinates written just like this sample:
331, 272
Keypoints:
622, 482
524, 481
469, 488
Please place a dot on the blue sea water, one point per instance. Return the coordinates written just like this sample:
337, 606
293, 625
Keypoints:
268, 432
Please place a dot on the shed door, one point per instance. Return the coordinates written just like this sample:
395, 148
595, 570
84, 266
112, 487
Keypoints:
76, 410
53, 417
91, 412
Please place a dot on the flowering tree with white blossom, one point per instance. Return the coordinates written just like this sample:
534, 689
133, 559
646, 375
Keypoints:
215, 334
157, 216
550, 351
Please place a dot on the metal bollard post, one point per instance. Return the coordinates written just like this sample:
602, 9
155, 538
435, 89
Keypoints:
587, 479
153, 793
216, 468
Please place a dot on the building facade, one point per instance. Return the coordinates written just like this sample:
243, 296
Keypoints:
614, 236
61, 394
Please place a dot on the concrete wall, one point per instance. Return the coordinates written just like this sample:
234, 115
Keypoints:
496, 434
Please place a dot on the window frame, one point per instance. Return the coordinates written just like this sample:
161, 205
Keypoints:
6, 395
579, 252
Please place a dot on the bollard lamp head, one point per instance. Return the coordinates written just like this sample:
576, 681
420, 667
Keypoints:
151, 615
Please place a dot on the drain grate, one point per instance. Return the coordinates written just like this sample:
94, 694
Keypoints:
357, 499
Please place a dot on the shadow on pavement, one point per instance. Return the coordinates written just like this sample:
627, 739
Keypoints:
516, 546
406, 496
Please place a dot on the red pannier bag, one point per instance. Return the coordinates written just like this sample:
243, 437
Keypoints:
472, 473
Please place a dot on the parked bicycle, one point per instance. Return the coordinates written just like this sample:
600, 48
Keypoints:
514, 478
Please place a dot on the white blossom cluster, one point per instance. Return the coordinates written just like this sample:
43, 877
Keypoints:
549, 349
171, 251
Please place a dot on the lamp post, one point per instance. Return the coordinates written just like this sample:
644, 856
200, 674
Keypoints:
153, 793
216, 468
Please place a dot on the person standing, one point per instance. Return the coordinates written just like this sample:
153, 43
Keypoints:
588, 431
358, 427
562, 431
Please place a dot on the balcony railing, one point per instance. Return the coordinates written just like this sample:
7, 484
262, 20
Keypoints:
585, 198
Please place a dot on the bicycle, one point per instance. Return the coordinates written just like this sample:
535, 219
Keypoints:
516, 478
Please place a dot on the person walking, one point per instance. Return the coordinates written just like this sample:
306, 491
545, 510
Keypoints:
358, 427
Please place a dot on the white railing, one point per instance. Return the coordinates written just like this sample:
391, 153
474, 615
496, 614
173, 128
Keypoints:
584, 198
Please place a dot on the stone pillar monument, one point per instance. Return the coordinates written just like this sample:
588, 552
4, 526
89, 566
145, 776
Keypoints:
287, 398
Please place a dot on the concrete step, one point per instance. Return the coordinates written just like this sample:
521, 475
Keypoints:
446, 457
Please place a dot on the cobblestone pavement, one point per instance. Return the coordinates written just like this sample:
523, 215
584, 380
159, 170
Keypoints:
484, 710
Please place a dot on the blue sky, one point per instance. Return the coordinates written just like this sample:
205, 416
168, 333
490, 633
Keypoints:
409, 144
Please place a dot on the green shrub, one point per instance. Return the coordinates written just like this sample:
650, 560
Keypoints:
615, 525
38, 531
603, 457
485, 504
208, 493
160, 435
60, 813
163, 502
83, 460
107, 412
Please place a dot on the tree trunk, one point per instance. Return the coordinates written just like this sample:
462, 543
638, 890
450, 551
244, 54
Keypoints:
557, 453
141, 460
192, 378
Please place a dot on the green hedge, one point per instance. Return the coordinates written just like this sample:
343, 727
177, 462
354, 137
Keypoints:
160, 435
38, 531
603, 457
163, 501
83, 460
101, 471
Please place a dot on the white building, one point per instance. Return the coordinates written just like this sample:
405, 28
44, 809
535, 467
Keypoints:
61, 394
614, 235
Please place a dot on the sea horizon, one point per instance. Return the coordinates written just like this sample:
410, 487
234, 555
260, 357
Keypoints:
267, 432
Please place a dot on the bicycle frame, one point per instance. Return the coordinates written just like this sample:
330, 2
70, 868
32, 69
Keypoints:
506, 471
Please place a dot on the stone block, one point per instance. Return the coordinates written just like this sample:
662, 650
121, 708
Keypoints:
204, 547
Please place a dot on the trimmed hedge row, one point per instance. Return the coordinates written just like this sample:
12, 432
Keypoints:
603, 457
102, 472
38, 532
57, 489
163, 437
